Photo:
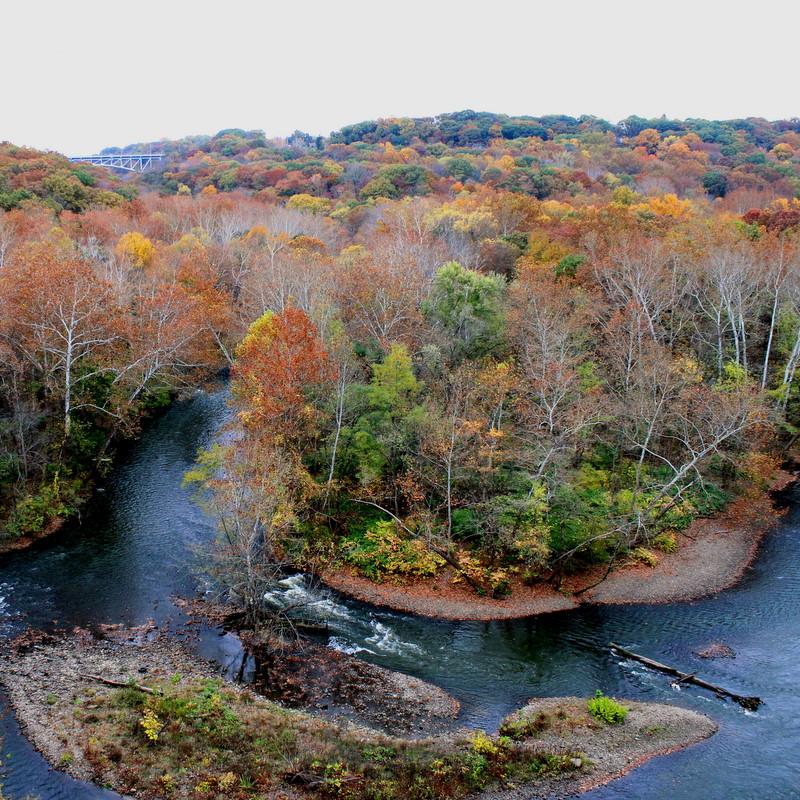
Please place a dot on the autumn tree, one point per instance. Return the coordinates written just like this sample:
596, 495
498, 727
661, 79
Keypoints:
379, 301
167, 343
279, 364
135, 249
62, 319
247, 487
559, 393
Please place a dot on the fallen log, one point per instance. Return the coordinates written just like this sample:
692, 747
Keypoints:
310, 627
749, 703
118, 684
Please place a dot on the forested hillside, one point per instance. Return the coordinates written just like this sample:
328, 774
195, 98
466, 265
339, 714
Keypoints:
514, 346
545, 157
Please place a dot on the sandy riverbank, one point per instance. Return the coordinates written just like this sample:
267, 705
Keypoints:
713, 555
95, 732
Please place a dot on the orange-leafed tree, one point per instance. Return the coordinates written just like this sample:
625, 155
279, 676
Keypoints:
280, 364
135, 249
212, 302
167, 341
61, 318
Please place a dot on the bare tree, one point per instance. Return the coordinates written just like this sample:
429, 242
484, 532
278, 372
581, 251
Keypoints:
8, 237
63, 322
552, 325
647, 275
781, 263
247, 488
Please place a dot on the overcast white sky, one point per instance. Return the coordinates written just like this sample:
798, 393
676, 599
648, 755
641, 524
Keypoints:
79, 75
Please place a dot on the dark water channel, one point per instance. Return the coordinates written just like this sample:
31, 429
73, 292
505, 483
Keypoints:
131, 554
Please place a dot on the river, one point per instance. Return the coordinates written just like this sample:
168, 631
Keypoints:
131, 554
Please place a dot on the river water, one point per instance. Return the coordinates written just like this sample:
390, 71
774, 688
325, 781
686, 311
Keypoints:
131, 554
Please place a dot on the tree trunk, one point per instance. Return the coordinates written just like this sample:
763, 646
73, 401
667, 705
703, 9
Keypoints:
765, 370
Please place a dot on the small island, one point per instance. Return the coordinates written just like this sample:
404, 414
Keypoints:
150, 721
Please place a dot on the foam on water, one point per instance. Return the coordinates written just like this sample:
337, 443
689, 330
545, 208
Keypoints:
296, 591
6, 592
365, 632
343, 646
386, 639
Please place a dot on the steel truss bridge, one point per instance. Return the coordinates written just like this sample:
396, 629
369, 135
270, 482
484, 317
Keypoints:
131, 162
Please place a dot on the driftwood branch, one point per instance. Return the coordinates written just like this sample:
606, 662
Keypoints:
312, 780
118, 684
750, 703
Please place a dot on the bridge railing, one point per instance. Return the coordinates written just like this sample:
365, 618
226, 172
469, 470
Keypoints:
132, 162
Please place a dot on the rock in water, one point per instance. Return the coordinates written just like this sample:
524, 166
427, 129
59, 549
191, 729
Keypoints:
716, 650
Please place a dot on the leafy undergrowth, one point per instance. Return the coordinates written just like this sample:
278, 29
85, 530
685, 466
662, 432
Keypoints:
380, 552
200, 739
607, 709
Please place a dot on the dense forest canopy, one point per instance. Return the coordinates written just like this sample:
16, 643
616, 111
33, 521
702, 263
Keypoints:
509, 345
552, 156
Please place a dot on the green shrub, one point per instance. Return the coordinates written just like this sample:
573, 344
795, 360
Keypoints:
709, 500
476, 767
58, 499
465, 523
203, 709
379, 754
381, 552
644, 555
568, 265
606, 709
666, 542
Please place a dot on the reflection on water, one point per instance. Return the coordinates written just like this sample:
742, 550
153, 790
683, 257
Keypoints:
122, 564
131, 555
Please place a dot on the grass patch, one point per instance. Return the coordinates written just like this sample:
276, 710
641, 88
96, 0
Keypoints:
645, 556
521, 726
666, 542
